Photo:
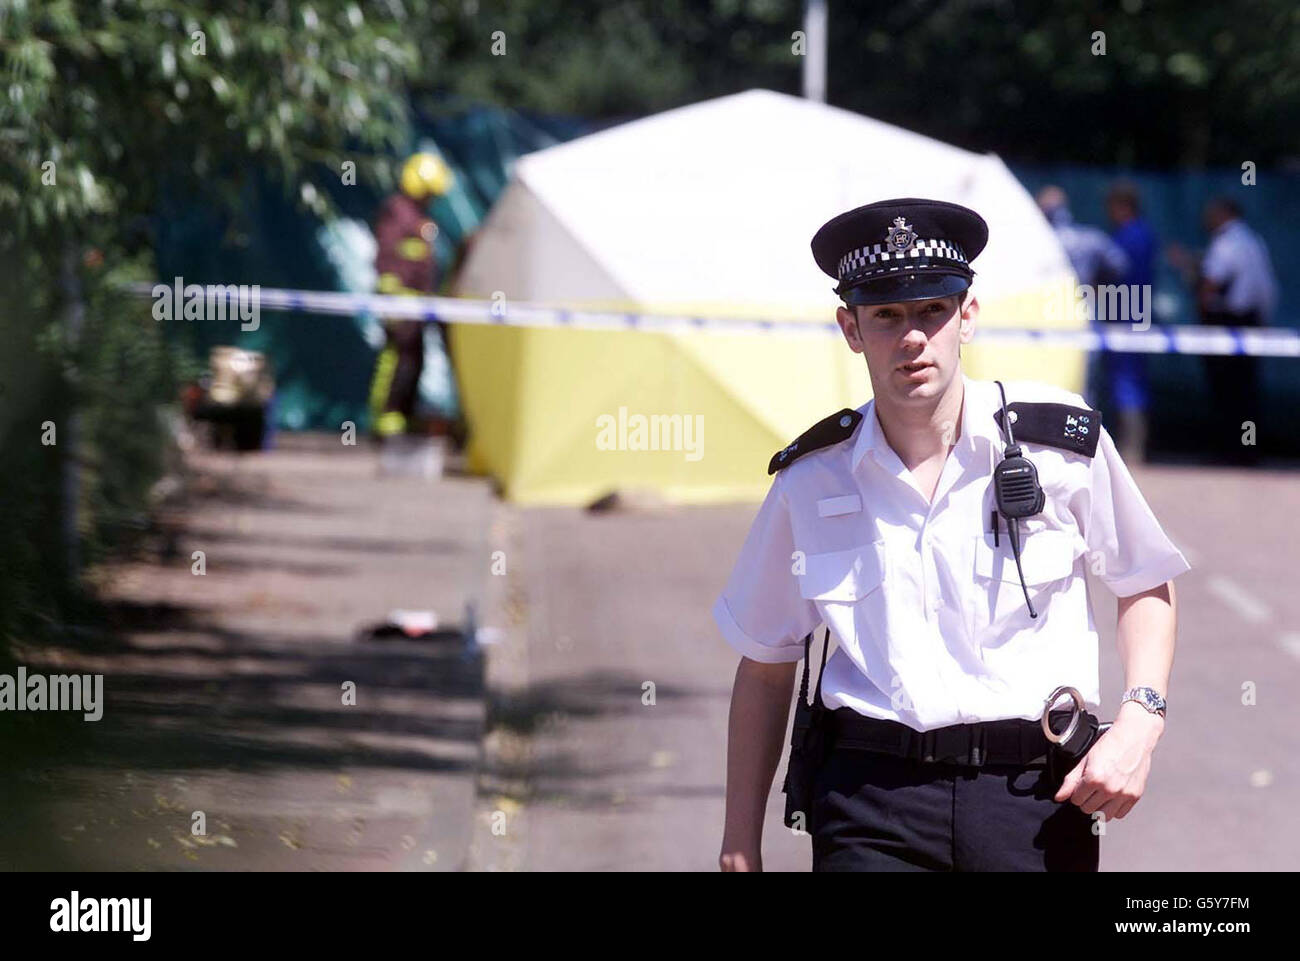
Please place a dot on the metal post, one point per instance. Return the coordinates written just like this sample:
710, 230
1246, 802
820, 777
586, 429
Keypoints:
814, 61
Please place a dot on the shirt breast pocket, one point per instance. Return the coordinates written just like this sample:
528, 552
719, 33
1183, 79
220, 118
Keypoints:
843, 577
1047, 558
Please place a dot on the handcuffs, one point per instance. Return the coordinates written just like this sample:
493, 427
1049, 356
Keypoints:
1080, 734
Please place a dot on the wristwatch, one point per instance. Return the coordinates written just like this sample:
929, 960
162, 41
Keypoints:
1147, 697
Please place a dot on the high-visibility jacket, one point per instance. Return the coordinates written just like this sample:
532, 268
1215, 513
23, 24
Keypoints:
405, 234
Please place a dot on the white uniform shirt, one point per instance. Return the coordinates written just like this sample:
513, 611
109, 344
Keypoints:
928, 614
1238, 257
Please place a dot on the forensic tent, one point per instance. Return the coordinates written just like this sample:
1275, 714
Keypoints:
709, 210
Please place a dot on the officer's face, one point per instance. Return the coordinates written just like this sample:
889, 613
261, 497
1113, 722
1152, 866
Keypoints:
912, 349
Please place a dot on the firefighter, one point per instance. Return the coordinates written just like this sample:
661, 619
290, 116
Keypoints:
405, 234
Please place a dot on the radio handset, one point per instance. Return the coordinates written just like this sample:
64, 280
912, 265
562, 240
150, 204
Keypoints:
1017, 491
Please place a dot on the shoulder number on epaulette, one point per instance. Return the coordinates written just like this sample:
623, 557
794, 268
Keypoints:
824, 433
1076, 429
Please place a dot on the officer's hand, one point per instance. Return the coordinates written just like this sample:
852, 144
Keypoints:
1113, 774
740, 860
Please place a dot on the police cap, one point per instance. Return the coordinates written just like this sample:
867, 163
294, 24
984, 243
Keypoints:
900, 250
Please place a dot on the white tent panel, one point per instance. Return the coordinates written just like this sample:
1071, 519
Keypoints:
715, 203
525, 252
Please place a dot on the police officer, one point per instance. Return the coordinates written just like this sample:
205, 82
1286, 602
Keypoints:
1237, 288
957, 609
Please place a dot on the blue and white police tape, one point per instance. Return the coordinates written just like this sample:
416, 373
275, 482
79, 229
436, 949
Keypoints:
1155, 339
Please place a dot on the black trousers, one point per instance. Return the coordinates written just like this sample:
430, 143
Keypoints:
1235, 395
877, 812
407, 338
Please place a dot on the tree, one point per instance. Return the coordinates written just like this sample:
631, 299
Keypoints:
105, 110
1177, 84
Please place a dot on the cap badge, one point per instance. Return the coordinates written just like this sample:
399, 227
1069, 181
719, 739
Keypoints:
901, 236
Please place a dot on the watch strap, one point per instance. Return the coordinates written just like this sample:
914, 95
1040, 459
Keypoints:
1150, 699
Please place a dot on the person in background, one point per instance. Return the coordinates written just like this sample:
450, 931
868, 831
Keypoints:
1096, 260
1124, 374
404, 261
1235, 287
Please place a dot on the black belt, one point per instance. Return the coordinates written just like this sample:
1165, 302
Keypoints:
1011, 741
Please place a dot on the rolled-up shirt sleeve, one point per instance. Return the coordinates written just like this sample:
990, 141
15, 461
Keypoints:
1128, 549
761, 612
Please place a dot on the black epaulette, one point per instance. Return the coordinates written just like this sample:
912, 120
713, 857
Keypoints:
831, 430
1076, 429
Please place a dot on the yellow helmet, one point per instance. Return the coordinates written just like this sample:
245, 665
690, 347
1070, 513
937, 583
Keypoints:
426, 175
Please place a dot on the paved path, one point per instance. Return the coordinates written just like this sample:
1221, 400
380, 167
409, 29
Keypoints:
224, 691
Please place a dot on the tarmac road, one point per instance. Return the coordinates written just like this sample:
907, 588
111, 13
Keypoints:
582, 774
224, 691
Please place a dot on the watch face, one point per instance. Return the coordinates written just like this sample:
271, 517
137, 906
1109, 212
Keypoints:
1150, 698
